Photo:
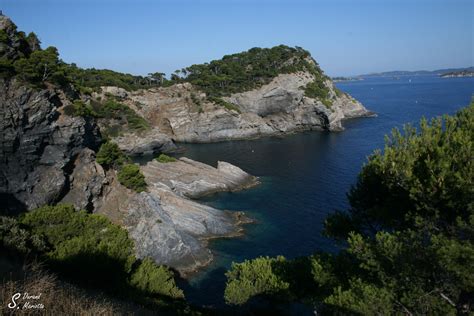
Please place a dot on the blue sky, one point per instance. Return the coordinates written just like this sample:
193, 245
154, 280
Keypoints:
345, 37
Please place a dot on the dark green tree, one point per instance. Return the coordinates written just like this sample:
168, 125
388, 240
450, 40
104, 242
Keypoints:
40, 66
110, 155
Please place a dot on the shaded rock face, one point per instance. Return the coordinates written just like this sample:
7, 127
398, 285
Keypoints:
38, 146
87, 181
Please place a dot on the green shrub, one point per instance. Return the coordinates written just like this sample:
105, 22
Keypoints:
7, 69
79, 240
90, 249
15, 238
227, 105
154, 279
254, 277
165, 158
79, 108
318, 90
131, 177
110, 155
112, 109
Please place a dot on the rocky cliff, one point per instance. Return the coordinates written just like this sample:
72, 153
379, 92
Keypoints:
164, 222
183, 113
48, 156
51, 124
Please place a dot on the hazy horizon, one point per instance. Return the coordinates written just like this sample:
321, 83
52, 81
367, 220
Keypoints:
344, 37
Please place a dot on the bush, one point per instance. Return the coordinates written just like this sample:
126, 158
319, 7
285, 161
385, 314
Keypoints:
318, 90
131, 177
79, 240
254, 277
91, 250
113, 110
110, 155
165, 158
229, 106
79, 108
15, 238
154, 279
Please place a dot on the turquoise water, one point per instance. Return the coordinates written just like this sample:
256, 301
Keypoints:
306, 176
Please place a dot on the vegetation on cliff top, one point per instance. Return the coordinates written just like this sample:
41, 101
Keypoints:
409, 234
233, 73
249, 70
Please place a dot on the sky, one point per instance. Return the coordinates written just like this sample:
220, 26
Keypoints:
346, 37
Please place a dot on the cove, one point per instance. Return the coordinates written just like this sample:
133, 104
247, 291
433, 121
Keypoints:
306, 176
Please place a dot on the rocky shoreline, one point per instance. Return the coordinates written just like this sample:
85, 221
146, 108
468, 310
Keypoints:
165, 222
277, 108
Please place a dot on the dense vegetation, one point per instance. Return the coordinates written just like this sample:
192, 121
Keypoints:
233, 73
249, 70
67, 241
409, 234
110, 156
165, 158
131, 177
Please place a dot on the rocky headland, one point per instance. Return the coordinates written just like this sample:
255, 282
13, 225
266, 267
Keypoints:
182, 113
54, 117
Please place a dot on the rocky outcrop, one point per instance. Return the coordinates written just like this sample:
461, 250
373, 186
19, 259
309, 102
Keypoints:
183, 114
164, 223
38, 146
87, 181
194, 179
146, 143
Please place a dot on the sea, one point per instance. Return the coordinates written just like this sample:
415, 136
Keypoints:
306, 176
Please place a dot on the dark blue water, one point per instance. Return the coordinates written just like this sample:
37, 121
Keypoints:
306, 176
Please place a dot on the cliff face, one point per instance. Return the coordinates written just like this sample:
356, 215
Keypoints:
47, 156
38, 146
184, 114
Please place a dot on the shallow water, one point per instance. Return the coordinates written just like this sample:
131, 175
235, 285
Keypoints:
306, 176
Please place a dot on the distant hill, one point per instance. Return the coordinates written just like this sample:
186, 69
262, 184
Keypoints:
400, 73
458, 74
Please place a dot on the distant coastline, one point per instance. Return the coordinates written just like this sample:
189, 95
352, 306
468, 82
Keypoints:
402, 73
342, 79
458, 74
